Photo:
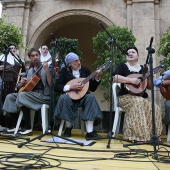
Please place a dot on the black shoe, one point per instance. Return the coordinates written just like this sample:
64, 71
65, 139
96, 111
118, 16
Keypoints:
67, 132
8, 131
24, 131
92, 135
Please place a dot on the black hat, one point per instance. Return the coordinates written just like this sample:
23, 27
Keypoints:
133, 47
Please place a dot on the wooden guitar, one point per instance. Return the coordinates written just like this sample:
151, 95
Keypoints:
140, 88
78, 94
165, 90
35, 78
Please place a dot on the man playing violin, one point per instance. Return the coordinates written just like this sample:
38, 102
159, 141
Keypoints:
138, 117
34, 99
67, 108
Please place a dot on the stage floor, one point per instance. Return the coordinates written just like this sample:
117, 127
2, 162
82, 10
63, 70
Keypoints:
45, 155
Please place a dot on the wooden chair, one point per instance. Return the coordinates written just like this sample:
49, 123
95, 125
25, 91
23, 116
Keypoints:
44, 117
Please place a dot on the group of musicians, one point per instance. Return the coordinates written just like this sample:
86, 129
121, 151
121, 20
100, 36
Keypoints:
138, 117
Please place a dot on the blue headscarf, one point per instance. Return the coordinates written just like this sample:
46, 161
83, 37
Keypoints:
71, 57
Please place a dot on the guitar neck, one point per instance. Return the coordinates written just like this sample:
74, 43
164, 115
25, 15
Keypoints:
89, 77
103, 67
146, 75
155, 70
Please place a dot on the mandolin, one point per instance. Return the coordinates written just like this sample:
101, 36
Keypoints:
32, 81
140, 88
165, 90
78, 94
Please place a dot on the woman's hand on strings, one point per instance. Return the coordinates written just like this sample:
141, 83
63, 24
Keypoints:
135, 81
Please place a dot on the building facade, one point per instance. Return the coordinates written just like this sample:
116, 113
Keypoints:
80, 19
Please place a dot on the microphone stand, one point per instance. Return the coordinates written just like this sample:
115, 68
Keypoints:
154, 138
113, 45
51, 107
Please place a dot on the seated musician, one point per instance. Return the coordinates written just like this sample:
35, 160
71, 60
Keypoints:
13, 69
67, 108
138, 109
164, 81
34, 99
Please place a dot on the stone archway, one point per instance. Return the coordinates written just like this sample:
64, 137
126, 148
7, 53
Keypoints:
82, 25
66, 18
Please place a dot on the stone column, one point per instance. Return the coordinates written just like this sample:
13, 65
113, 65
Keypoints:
129, 14
141, 20
18, 11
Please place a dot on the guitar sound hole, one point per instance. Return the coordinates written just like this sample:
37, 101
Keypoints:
136, 86
76, 91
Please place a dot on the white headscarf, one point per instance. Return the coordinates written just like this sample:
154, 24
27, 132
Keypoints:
45, 58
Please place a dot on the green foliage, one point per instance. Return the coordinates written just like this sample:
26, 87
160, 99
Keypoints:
123, 38
66, 46
164, 49
9, 34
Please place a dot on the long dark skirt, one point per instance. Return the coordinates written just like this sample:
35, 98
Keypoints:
8, 120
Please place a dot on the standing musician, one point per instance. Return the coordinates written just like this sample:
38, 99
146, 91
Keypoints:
34, 99
162, 82
67, 108
138, 109
14, 68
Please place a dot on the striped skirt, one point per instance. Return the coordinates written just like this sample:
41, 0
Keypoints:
138, 118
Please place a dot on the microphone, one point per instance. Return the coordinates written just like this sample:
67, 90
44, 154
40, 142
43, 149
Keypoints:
102, 26
151, 41
53, 38
150, 49
6, 47
127, 53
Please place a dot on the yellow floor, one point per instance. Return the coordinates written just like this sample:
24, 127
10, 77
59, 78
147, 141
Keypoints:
43, 155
